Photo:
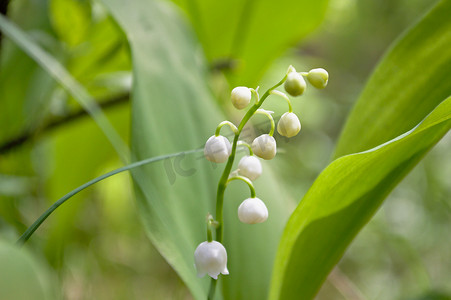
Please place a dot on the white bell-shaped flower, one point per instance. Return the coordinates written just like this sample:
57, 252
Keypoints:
217, 149
241, 97
250, 167
211, 258
264, 146
289, 125
252, 211
295, 84
318, 78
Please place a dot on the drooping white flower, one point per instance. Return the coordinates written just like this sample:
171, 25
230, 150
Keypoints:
295, 85
289, 125
241, 97
250, 167
264, 146
252, 211
217, 149
211, 258
318, 78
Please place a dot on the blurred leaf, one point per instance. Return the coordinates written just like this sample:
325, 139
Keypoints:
104, 51
21, 275
78, 152
14, 185
173, 110
103, 54
63, 77
89, 155
409, 82
433, 295
341, 201
18, 73
252, 32
70, 19
27, 91
24, 92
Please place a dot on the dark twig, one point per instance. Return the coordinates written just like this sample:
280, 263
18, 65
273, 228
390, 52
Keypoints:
58, 121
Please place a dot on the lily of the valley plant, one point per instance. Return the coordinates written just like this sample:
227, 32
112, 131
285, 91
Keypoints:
210, 256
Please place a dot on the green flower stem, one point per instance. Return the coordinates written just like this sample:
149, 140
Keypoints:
241, 143
279, 93
209, 225
30, 230
211, 292
303, 73
271, 119
230, 124
209, 235
245, 179
225, 174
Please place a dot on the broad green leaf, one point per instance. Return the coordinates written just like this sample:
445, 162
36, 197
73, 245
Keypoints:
412, 78
252, 32
21, 275
340, 202
172, 110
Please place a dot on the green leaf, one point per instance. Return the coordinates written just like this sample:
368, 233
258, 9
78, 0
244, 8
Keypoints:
412, 79
340, 202
252, 32
21, 275
173, 110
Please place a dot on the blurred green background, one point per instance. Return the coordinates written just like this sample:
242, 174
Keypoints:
95, 247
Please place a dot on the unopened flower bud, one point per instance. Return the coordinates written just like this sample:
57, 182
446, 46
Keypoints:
252, 211
318, 78
250, 167
241, 97
217, 149
211, 258
264, 146
295, 84
288, 125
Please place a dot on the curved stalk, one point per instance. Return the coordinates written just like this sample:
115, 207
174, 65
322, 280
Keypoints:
271, 119
284, 96
245, 179
30, 230
241, 143
230, 124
